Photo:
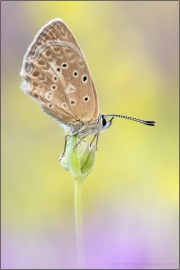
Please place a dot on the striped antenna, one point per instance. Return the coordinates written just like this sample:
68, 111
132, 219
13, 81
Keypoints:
145, 122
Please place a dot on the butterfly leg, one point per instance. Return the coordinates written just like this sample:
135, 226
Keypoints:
93, 139
82, 139
95, 136
64, 146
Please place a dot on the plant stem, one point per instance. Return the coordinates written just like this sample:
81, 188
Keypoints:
79, 224
79, 160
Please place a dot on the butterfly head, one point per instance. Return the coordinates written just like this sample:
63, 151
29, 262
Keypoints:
104, 122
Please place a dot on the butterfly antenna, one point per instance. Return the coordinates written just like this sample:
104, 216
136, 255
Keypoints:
145, 122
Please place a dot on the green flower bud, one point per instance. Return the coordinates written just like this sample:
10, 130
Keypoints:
89, 164
72, 157
63, 163
78, 159
83, 153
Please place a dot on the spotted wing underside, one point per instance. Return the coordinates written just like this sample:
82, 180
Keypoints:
56, 75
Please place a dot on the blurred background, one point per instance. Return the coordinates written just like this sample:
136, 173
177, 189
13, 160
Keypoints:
130, 199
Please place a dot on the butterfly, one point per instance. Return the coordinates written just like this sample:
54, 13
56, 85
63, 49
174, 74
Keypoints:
56, 75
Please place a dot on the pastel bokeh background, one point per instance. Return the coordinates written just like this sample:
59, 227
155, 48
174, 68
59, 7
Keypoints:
130, 199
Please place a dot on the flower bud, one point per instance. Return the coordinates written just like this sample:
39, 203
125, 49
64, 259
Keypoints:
89, 164
83, 153
63, 163
78, 159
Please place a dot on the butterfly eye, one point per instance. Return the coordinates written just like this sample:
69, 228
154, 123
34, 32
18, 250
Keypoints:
104, 121
64, 65
75, 73
84, 78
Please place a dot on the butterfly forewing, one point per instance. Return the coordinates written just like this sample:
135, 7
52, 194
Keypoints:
56, 75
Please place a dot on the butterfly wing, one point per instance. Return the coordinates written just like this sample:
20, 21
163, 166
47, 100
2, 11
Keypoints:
55, 73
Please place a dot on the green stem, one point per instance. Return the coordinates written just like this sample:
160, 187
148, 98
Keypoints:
79, 160
79, 224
